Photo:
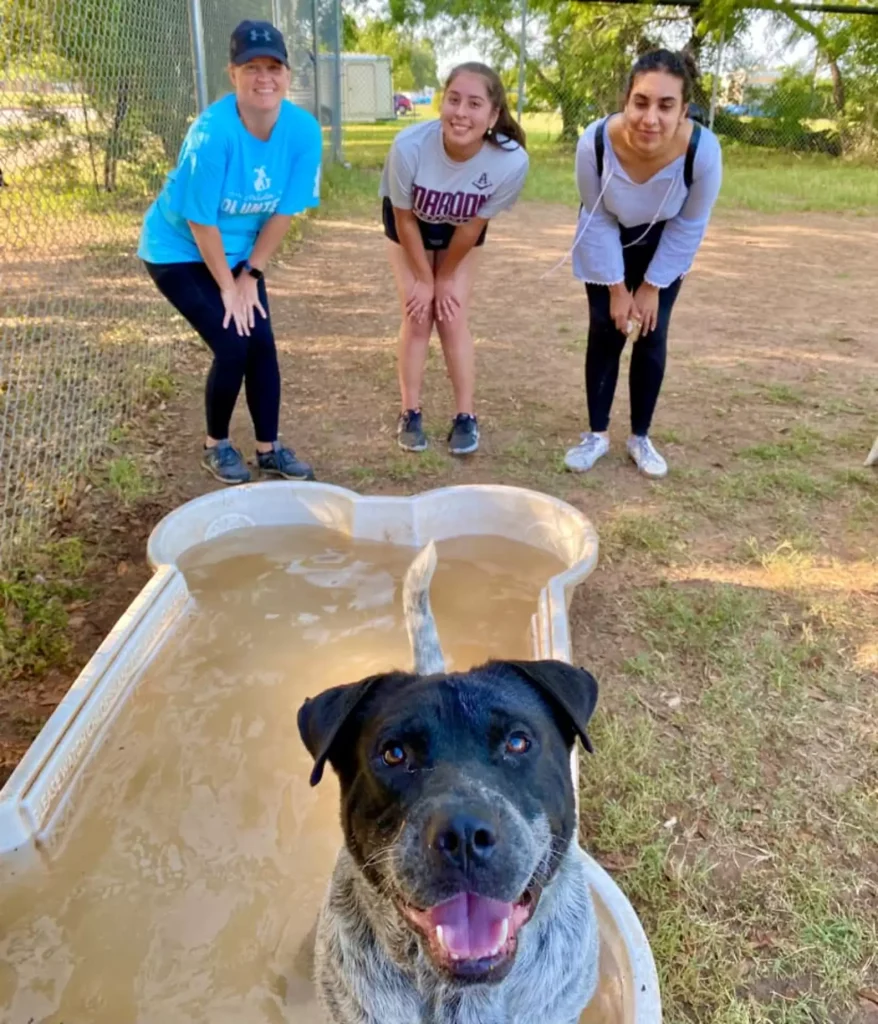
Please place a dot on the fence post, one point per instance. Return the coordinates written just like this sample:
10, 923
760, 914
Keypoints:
717, 71
199, 61
336, 87
522, 57
315, 43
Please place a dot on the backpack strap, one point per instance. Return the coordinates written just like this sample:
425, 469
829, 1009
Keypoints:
599, 147
689, 165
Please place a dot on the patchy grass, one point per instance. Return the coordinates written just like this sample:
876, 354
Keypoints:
34, 603
802, 443
783, 394
706, 799
628, 532
127, 480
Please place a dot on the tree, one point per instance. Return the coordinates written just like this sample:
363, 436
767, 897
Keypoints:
413, 59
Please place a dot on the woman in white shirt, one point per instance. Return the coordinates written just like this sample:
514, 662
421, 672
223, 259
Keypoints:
648, 178
442, 182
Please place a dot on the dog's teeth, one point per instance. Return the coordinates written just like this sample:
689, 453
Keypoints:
440, 936
504, 934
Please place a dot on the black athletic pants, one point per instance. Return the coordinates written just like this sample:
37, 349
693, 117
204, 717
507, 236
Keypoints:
605, 342
237, 359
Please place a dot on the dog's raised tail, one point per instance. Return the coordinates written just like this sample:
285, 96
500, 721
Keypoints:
419, 621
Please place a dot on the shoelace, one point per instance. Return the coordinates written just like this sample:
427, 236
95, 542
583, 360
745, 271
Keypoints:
589, 441
226, 455
645, 450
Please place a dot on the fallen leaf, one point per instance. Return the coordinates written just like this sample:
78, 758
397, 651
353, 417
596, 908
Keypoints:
617, 862
763, 940
869, 995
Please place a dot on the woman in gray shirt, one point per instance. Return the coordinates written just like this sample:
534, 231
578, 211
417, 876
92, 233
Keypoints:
442, 182
648, 179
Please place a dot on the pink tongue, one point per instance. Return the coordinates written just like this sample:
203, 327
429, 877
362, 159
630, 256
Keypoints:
472, 926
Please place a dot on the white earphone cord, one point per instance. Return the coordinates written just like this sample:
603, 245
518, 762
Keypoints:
584, 227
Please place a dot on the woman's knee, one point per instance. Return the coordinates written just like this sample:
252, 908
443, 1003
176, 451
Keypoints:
417, 333
261, 338
454, 332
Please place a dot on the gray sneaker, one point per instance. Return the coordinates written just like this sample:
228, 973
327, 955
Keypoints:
282, 462
464, 436
226, 463
642, 452
410, 431
581, 458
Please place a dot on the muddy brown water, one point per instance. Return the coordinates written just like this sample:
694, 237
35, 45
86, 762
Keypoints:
191, 870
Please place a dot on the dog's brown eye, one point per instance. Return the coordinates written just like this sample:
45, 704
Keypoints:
393, 755
517, 743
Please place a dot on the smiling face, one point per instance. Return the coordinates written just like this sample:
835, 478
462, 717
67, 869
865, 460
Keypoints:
260, 85
467, 112
458, 805
654, 111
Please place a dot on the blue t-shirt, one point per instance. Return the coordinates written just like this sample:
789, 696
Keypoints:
227, 178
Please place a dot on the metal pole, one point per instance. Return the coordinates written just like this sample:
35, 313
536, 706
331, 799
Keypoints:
315, 43
275, 15
336, 87
716, 76
522, 57
199, 61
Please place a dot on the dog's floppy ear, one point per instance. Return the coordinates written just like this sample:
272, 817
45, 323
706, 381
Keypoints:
573, 690
322, 718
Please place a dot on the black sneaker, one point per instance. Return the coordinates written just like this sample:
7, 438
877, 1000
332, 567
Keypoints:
282, 462
464, 436
409, 431
226, 463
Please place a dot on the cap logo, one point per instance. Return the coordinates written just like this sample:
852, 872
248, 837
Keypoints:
255, 35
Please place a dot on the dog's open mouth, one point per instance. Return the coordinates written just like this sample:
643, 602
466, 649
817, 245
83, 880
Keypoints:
473, 936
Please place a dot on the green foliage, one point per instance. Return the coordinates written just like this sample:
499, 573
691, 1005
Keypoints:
413, 59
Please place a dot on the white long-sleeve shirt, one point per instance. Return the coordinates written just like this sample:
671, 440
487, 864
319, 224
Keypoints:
597, 255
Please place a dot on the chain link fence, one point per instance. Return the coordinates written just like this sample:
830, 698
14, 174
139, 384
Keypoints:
95, 99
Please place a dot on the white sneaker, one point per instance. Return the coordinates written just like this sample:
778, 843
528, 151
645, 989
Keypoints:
647, 459
581, 458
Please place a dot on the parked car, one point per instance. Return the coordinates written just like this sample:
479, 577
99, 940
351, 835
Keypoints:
402, 105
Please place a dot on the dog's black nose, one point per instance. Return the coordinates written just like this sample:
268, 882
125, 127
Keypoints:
463, 840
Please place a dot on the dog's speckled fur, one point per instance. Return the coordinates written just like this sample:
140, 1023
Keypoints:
371, 966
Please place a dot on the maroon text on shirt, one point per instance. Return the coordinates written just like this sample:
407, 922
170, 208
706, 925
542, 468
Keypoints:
429, 204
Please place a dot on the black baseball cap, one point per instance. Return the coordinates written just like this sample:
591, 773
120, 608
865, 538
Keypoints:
253, 39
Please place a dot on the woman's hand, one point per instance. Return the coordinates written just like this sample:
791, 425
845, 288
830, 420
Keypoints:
420, 300
234, 310
248, 296
446, 301
622, 307
646, 299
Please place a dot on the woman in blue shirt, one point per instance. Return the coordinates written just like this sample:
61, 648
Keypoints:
249, 162
648, 179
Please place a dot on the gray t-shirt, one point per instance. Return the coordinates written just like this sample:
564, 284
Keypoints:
421, 177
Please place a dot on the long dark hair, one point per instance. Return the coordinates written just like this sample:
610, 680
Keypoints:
505, 123
678, 63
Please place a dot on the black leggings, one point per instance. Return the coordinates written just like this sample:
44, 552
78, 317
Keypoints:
605, 342
237, 359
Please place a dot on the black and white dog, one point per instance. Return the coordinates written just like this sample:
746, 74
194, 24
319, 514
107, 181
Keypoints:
460, 895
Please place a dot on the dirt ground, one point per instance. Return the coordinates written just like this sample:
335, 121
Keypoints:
767, 413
